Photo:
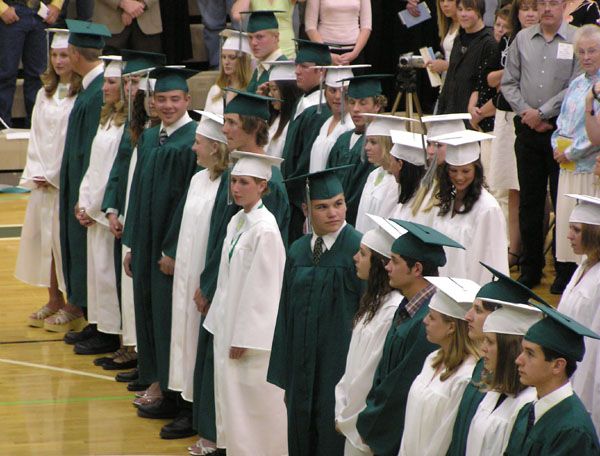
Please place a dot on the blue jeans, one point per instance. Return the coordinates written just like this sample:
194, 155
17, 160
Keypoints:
25, 41
214, 17
84, 8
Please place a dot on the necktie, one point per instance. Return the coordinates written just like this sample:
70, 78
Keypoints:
530, 418
162, 137
318, 250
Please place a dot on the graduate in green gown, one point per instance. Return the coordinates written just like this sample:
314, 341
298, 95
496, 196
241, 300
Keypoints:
263, 35
86, 41
164, 168
557, 423
308, 115
364, 96
416, 254
320, 297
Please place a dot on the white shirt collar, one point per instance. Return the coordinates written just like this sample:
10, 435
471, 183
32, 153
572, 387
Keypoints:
272, 56
306, 101
550, 400
177, 125
328, 239
91, 75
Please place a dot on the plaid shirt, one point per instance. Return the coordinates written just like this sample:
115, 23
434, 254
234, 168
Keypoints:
408, 309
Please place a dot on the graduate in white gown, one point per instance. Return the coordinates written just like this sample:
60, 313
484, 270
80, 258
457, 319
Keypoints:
371, 324
211, 149
435, 394
581, 298
467, 212
492, 423
39, 257
340, 120
251, 417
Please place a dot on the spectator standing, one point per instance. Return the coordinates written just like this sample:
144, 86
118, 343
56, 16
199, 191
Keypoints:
214, 18
448, 26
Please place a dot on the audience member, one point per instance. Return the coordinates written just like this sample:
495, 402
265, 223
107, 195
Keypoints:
214, 19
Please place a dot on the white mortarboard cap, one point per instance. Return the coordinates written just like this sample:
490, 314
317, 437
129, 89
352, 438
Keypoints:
380, 239
586, 211
445, 123
408, 146
281, 70
454, 297
512, 319
211, 126
335, 74
147, 84
60, 39
462, 146
383, 124
255, 165
236, 41
113, 66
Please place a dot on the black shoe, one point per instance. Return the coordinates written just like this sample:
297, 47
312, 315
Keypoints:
100, 343
102, 361
163, 408
558, 286
529, 281
111, 364
179, 428
86, 333
126, 377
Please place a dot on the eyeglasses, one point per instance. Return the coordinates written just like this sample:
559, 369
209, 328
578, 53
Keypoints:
551, 3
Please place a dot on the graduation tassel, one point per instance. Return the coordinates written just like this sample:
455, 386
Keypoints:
129, 101
319, 108
229, 195
343, 104
308, 228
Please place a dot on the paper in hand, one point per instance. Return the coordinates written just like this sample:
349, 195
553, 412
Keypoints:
410, 21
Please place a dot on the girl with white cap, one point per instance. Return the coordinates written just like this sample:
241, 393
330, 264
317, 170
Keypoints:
39, 258
581, 298
251, 417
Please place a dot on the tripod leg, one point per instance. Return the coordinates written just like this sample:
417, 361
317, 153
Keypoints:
396, 103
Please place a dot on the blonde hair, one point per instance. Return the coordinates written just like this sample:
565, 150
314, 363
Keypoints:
385, 144
221, 160
444, 23
50, 82
241, 76
461, 347
114, 112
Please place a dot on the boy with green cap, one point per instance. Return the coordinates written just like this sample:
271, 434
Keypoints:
165, 165
320, 297
415, 255
86, 41
558, 422
263, 35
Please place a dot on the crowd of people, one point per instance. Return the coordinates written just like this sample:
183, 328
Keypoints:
296, 270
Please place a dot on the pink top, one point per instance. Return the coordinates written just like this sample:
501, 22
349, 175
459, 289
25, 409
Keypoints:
338, 21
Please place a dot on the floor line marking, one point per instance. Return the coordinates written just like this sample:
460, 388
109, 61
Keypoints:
9, 342
68, 400
56, 369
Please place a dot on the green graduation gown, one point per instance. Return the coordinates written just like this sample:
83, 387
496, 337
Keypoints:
566, 430
159, 186
302, 132
406, 346
277, 203
312, 335
353, 180
83, 124
256, 81
471, 399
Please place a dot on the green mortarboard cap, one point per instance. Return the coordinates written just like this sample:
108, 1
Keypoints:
170, 78
140, 60
311, 52
367, 85
87, 34
423, 243
248, 104
322, 184
262, 20
560, 333
506, 290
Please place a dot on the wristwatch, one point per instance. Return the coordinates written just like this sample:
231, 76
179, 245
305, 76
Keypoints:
541, 114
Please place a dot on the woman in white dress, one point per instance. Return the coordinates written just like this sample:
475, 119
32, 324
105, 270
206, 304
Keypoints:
371, 324
492, 423
39, 259
213, 156
251, 416
435, 394
581, 298
235, 70
102, 297
447, 19
468, 213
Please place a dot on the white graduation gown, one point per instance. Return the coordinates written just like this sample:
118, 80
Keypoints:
251, 416
364, 353
324, 142
379, 197
214, 105
275, 146
404, 211
491, 427
40, 237
103, 301
482, 231
189, 264
581, 301
431, 409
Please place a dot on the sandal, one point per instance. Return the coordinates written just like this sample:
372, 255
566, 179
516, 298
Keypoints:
36, 319
128, 361
146, 399
104, 359
63, 321
202, 447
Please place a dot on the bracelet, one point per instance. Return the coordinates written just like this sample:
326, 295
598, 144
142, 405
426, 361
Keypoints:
595, 94
590, 111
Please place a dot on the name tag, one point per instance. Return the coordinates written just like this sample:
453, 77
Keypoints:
565, 51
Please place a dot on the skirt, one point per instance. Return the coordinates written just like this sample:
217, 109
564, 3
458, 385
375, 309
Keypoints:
502, 174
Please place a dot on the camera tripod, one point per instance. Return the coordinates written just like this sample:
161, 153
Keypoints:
406, 82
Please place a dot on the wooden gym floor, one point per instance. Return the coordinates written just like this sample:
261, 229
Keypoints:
54, 402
